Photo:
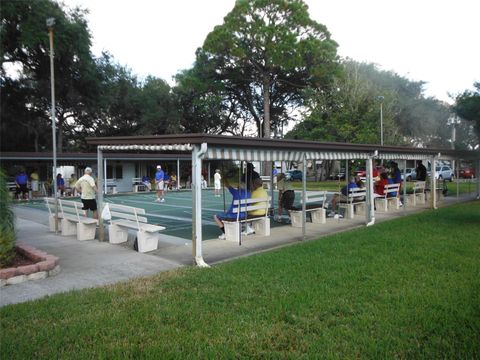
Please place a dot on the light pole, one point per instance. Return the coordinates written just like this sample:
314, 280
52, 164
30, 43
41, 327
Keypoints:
381, 98
50, 25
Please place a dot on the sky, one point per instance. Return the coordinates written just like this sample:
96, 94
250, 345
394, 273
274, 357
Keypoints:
435, 41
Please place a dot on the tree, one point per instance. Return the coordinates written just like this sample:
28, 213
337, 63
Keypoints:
25, 47
467, 106
351, 112
265, 55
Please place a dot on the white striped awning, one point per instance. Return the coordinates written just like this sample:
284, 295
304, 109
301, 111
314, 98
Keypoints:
163, 147
279, 155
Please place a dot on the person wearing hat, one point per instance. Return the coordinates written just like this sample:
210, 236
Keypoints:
88, 190
159, 184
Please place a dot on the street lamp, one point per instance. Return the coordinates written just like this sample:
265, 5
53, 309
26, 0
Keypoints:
50, 25
381, 98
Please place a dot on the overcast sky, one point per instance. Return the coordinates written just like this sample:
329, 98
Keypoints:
437, 41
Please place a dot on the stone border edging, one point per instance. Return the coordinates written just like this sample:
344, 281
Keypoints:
46, 265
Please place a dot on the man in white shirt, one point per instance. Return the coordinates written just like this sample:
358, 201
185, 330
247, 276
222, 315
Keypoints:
217, 182
88, 190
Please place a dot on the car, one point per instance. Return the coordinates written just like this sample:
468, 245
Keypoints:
340, 175
466, 173
293, 175
411, 174
444, 173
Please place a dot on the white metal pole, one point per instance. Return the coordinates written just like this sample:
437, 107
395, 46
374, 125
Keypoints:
381, 122
54, 137
304, 199
370, 213
100, 181
178, 174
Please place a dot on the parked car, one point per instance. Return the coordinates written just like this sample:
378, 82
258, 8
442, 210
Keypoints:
411, 174
340, 175
293, 175
444, 173
466, 173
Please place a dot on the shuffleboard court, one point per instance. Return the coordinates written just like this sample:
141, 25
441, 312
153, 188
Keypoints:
175, 214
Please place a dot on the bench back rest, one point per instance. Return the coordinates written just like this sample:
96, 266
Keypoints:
357, 193
111, 182
391, 188
137, 181
247, 205
69, 207
50, 204
127, 213
11, 186
315, 196
419, 186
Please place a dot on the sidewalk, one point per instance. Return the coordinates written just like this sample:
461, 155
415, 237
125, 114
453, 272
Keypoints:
84, 264
87, 264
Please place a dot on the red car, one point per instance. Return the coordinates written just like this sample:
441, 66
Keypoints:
466, 173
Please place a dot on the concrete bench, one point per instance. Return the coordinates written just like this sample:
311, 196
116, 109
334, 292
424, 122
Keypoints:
111, 185
74, 222
418, 196
128, 217
261, 223
356, 202
388, 197
315, 204
50, 204
138, 185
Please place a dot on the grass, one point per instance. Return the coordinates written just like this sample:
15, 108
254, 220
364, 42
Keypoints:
407, 288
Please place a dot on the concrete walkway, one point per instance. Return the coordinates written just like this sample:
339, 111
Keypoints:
86, 264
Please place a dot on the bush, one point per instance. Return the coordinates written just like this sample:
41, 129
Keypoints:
7, 224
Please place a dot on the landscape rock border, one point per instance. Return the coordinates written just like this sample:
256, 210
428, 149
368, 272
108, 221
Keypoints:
45, 265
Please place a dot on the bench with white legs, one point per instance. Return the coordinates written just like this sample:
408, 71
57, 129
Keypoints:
111, 185
315, 204
138, 185
261, 223
124, 218
355, 202
74, 222
50, 204
418, 196
390, 195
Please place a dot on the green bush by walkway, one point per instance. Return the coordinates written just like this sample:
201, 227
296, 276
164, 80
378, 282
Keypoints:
407, 288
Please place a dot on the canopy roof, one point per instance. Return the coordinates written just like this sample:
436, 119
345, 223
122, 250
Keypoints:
258, 149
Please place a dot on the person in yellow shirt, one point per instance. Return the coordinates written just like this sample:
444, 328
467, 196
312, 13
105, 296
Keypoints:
258, 193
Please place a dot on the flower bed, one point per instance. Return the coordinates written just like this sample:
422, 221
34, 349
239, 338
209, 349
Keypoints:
44, 265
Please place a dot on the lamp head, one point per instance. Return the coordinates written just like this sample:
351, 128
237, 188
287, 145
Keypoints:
50, 22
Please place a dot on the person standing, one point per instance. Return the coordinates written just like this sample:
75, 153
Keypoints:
217, 182
34, 182
88, 190
286, 197
159, 184
421, 171
60, 184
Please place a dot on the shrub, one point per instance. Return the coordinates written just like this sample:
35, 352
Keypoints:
7, 224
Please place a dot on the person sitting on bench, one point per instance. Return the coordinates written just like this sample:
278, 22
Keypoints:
343, 196
237, 194
258, 193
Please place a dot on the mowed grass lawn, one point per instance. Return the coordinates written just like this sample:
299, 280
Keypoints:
407, 288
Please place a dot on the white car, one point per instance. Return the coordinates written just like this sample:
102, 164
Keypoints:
444, 173
411, 174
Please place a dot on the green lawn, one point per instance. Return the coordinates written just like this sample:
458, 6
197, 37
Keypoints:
407, 288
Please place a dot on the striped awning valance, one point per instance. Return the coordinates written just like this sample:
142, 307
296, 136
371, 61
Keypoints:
163, 147
279, 155
392, 156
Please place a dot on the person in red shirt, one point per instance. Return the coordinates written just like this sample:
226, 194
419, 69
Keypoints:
380, 185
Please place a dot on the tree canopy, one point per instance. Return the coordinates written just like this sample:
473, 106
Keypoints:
467, 106
263, 57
